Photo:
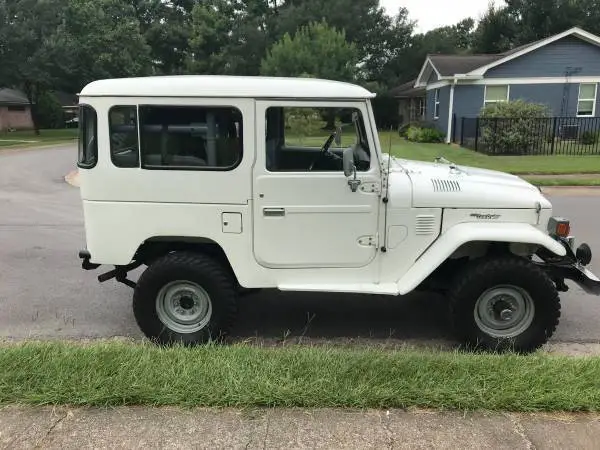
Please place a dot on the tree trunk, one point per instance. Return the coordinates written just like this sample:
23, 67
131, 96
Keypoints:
33, 95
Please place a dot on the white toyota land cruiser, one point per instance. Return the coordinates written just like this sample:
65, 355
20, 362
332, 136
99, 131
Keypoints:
222, 185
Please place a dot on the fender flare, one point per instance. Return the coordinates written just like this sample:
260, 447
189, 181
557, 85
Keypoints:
464, 233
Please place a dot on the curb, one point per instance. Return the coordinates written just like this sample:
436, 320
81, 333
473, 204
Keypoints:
571, 190
14, 149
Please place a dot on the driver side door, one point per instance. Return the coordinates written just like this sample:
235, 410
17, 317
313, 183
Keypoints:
311, 218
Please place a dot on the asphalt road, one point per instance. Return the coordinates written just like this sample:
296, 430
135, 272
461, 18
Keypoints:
44, 292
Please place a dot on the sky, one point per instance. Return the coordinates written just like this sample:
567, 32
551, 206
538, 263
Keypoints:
431, 14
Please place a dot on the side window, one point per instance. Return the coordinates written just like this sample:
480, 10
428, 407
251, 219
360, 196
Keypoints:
87, 155
123, 131
301, 139
190, 137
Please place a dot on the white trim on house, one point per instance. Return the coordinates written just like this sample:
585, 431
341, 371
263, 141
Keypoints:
450, 114
594, 100
485, 102
436, 104
582, 34
420, 83
537, 80
501, 81
438, 84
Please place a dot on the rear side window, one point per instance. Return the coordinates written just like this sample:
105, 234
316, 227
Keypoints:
190, 137
88, 137
123, 131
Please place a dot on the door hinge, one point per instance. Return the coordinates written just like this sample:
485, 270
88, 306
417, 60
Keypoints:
368, 241
370, 187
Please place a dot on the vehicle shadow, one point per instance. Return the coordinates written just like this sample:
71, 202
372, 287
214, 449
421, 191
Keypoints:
272, 316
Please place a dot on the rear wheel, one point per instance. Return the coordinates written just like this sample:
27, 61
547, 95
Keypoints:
185, 298
504, 303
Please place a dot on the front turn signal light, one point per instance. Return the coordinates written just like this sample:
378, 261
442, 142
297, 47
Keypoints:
559, 227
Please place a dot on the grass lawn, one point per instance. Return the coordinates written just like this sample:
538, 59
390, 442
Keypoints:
514, 164
117, 373
30, 139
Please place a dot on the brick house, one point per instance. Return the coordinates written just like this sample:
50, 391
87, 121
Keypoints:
15, 111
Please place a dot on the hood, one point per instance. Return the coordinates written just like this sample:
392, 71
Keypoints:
453, 186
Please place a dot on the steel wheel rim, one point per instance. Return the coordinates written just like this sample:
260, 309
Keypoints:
183, 306
504, 311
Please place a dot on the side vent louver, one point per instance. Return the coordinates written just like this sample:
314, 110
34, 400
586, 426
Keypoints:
445, 185
424, 225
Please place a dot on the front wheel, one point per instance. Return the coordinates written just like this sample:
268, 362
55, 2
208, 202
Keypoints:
185, 298
505, 303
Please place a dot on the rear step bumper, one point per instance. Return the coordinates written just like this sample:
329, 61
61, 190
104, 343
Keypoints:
119, 272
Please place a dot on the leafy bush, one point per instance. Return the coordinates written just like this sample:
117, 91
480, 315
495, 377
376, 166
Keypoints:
589, 137
507, 127
403, 130
49, 111
424, 135
304, 122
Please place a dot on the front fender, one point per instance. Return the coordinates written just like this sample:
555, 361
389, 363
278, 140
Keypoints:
464, 233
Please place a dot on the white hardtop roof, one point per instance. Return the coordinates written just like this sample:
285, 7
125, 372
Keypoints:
224, 86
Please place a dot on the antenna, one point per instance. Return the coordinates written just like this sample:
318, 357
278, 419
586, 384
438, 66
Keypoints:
385, 198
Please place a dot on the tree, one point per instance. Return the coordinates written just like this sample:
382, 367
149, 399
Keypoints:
377, 37
230, 37
100, 39
28, 47
521, 22
50, 111
408, 60
385, 47
538, 19
211, 28
166, 28
314, 50
496, 31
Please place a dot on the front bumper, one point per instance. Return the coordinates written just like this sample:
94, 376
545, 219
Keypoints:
577, 273
570, 267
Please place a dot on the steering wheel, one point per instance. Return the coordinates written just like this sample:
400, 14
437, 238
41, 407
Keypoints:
325, 151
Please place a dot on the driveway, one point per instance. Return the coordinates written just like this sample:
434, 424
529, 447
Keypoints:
44, 293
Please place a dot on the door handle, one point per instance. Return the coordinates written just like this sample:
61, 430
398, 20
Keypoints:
273, 212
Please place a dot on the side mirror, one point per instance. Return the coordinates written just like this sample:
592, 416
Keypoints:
350, 169
338, 136
348, 162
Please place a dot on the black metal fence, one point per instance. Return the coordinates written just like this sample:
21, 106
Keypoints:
532, 135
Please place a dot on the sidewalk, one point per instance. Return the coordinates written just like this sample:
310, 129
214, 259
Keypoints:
79, 428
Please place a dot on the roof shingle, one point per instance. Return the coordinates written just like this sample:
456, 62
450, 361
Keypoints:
449, 65
12, 97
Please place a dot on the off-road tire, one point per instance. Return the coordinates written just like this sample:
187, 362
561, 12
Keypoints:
201, 269
481, 275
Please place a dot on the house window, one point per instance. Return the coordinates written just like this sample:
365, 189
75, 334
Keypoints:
190, 137
123, 136
436, 109
495, 94
16, 108
586, 105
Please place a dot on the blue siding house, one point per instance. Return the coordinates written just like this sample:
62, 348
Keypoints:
562, 72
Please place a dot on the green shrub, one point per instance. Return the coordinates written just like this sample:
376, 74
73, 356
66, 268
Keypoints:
403, 130
50, 112
589, 137
431, 135
508, 127
424, 135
